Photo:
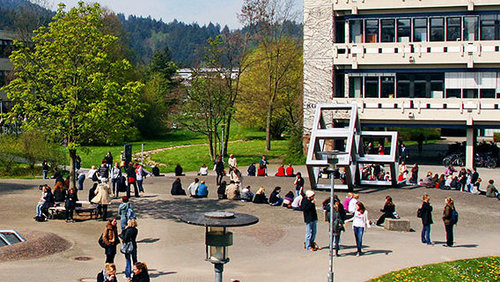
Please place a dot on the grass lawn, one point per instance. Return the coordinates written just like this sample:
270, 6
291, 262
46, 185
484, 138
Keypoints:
480, 269
191, 158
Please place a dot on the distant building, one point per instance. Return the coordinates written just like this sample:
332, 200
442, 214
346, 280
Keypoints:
6, 47
406, 63
186, 74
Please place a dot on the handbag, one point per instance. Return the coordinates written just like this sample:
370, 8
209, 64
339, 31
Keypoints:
101, 242
127, 248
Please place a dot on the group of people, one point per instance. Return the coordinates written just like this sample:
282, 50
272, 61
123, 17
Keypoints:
450, 218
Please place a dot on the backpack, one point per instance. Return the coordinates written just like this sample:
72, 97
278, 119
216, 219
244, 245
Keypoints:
419, 213
130, 214
94, 176
454, 217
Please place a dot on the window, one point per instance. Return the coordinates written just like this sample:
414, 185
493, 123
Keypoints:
470, 93
340, 31
355, 87
419, 30
453, 93
453, 29
470, 28
420, 87
487, 93
437, 29
356, 30
404, 30
3, 78
388, 31
371, 31
387, 89
489, 27
403, 90
371, 87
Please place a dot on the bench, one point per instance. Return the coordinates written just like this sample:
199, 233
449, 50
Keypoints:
55, 211
397, 224
92, 210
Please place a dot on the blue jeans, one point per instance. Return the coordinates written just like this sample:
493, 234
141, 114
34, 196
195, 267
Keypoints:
310, 233
426, 234
358, 234
39, 209
139, 184
81, 179
128, 268
123, 221
116, 184
45, 172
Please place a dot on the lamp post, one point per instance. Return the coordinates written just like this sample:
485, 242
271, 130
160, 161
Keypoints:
223, 126
332, 158
217, 238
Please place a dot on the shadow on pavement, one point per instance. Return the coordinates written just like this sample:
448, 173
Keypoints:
174, 209
153, 273
457, 246
149, 240
367, 252
12, 187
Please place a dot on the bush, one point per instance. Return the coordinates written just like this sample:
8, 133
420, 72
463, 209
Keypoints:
496, 137
295, 152
413, 134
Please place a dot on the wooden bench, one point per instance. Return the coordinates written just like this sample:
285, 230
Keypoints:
92, 210
397, 224
55, 211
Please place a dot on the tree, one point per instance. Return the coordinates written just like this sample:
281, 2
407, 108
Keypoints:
271, 95
67, 84
267, 21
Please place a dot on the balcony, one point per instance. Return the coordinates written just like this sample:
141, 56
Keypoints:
417, 53
355, 5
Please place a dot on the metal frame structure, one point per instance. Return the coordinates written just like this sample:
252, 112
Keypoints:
337, 127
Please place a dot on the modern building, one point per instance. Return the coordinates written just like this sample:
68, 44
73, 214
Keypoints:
6, 47
406, 63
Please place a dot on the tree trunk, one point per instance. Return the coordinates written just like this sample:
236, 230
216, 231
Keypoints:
72, 178
226, 134
211, 146
268, 127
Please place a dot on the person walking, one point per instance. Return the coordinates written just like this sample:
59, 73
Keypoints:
123, 212
130, 235
308, 207
131, 180
219, 169
425, 213
338, 221
116, 177
45, 169
359, 222
102, 198
111, 240
448, 220
140, 174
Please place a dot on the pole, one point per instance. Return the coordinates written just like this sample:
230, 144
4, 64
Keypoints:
332, 194
142, 153
222, 146
219, 267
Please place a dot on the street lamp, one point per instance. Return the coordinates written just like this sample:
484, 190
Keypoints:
332, 158
217, 238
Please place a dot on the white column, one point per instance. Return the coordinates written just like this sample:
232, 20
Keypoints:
469, 148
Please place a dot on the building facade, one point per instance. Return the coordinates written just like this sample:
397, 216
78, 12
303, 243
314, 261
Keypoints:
417, 63
6, 47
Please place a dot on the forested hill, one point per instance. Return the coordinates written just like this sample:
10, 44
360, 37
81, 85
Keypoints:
145, 35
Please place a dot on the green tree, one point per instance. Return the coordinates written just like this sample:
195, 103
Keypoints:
67, 84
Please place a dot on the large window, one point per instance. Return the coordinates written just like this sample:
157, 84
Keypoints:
403, 86
388, 30
487, 93
489, 27
453, 93
419, 30
453, 29
470, 28
387, 87
356, 27
437, 29
371, 31
355, 87
470, 93
404, 30
371, 87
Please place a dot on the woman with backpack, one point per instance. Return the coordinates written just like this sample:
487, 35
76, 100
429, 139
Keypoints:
449, 218
123, 212
130, 235
338, 221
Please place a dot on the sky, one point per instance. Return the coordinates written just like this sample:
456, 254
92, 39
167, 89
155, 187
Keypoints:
223, 12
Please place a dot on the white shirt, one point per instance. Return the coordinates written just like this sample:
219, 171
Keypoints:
204, 170
353, 205
297, 202
192, 188
360, 220
90, 173
232, 162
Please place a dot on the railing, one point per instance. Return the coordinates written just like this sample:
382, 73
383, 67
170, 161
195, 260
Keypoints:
417, 53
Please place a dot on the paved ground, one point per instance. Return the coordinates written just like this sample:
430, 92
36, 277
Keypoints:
271, 250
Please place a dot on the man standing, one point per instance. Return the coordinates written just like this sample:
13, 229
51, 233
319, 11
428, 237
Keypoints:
403, 154
311, 219
425, 213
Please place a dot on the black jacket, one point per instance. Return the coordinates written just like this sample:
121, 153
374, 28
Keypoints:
177, 189
260, 199
130, 235
309, 210
389, 210
219, 167
426, 213
141, 277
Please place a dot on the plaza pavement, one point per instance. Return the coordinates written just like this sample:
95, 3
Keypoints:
271, 250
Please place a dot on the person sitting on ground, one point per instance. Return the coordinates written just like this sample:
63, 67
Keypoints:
59, 192
261, 171
289, 171
435, 180
281, 171
235, 175
475, 187
275, 198
156, 170
246, 194
388, 210
177, 188
140, 273
450, 170
287, 201
387, 176
108, 274
232, 190
178, 170
203, 170
260, 196
441, 182
251, 170
193, 187
491, 190
427, 182
297, 201
202, 191
221, 190
401, 179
